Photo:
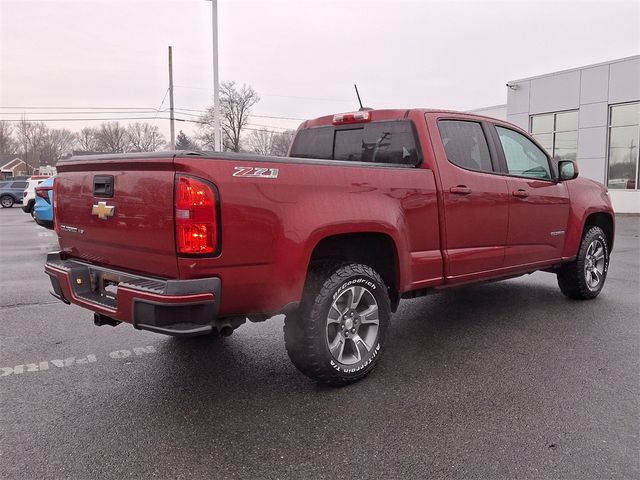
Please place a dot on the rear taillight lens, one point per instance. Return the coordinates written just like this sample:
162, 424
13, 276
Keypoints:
43, 192
54, 199
196, 217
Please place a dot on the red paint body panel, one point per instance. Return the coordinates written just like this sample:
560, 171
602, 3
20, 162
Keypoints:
140, 234
269, 227
537, 222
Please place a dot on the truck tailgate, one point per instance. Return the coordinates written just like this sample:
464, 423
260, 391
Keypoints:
128, 225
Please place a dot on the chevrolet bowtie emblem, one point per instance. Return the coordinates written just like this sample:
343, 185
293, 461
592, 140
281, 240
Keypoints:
102, 210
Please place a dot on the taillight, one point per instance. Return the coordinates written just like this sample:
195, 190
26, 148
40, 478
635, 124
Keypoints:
43, 192
354, 117
196, 218
54, 199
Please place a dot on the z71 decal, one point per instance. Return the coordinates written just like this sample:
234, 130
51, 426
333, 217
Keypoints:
255, 172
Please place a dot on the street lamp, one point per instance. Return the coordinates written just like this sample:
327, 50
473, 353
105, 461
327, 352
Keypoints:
216, 96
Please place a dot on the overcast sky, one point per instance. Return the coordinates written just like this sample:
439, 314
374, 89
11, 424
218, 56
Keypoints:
302, 57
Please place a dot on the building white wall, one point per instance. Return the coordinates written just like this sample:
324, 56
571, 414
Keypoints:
496, 111
590, 90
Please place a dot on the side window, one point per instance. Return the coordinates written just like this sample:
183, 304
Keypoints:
523, 157
465, 144
22, 185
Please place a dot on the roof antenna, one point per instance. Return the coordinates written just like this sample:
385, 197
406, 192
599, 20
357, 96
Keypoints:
362, 109
358, 94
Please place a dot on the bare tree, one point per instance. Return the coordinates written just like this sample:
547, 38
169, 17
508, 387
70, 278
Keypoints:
88, 140
268, 142
261, 141
8, 146
235, 106
31, 137
282, 142
57, 143
112, 138
144, 137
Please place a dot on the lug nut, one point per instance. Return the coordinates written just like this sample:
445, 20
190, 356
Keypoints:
342, 326
346, 334
355, 321
353, 330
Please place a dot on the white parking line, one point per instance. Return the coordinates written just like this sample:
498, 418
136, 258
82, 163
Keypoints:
71, 361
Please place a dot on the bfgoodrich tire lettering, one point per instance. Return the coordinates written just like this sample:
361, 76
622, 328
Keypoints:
584, 278
338, 334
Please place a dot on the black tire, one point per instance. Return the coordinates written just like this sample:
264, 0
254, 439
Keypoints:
7, 201
577, 279
327, 308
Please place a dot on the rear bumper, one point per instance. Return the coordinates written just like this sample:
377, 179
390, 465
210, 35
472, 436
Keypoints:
171, 307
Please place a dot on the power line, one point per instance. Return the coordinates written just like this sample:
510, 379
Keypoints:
104, 112
76, 108
125, 110
83, 119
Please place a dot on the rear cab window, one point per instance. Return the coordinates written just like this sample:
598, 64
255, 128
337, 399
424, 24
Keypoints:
381, 142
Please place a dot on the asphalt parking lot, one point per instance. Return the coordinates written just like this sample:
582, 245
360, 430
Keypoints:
502, 380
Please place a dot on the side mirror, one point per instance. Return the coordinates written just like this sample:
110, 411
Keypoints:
568, 169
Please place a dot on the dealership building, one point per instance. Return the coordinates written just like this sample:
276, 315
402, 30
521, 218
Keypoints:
589, 114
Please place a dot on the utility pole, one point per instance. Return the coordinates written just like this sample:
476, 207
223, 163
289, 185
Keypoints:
216, 96
171, 115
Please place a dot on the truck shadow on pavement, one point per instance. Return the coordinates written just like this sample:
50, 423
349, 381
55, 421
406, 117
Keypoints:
426, 330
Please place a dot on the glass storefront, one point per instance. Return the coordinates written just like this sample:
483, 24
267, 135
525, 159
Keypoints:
624, 136
557, 133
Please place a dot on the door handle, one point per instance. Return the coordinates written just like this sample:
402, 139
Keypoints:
460, 190
520, 193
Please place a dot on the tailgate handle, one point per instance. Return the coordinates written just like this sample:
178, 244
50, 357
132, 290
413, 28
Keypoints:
103, 186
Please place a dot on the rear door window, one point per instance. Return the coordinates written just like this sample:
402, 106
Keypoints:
375, 142
465, 144
22, 185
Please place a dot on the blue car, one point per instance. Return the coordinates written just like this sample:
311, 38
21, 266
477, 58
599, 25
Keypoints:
43, 209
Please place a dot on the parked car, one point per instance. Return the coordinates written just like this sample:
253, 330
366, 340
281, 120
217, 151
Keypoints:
43, 209
29, 194
11, 191
370, 207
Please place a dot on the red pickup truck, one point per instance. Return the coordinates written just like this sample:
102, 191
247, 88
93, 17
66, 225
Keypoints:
370, 207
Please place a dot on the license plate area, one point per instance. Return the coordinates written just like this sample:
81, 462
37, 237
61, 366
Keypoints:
99, 287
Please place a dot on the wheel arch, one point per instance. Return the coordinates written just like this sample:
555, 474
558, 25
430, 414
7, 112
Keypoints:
605, 221
375, 249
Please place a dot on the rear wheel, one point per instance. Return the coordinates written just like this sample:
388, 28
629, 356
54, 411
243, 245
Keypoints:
337, 335
584, 278
6, 201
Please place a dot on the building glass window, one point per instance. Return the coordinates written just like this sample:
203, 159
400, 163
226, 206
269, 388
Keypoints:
624, 137
557, 133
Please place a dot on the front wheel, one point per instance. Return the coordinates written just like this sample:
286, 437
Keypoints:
6, 201
337, 335
584, 278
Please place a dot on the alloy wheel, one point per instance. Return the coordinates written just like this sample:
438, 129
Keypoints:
352, 325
